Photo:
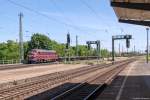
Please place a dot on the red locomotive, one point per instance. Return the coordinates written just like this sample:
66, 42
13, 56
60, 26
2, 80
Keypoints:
39, 55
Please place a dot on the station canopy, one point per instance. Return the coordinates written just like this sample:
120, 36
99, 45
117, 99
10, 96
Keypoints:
132, 11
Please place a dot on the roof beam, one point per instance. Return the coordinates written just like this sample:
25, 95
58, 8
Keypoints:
139, 6
144, 23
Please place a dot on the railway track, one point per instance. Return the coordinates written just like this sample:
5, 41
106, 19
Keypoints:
35, 79
46, 77
88, 89
18, 66
43, 83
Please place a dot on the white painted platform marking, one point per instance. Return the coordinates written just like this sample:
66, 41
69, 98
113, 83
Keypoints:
124, 81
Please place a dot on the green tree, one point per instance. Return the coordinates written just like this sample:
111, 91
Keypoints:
39, 41
9, 50
105, 53
83, 50
26, 49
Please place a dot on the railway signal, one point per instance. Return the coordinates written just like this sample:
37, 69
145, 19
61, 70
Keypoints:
67, 51
68, 41
89, 46
127, 43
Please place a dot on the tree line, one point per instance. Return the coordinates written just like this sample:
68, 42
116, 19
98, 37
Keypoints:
10, 49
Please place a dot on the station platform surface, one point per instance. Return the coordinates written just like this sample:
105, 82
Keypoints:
133, 83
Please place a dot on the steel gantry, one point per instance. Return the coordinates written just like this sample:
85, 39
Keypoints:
98, 47
120, 37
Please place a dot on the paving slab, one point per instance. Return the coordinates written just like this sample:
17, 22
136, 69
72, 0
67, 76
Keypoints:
133, 83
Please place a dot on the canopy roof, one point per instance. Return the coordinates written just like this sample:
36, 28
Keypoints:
132, 11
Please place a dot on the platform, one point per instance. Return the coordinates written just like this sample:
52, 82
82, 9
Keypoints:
133, 83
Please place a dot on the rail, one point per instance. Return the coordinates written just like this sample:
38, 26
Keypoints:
46, 81
111, 73
40, 84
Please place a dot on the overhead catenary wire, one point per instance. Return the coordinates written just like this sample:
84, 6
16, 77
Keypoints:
61, 11
70, 21
50, 18
93, 11
44, 15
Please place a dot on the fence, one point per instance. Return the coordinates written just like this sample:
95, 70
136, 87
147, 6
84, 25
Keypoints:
13, 61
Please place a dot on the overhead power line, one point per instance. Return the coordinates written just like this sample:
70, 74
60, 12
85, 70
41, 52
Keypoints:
93, 11
51, 18
44, 15
61, 11
66, 17
70, 21
88, 6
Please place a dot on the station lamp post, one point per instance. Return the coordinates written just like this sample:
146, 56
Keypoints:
147, 29
21, 46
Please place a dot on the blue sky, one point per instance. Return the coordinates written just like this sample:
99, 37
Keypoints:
89, 19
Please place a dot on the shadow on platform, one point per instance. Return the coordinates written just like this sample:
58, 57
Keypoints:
47, 95
130, 88
134, 88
